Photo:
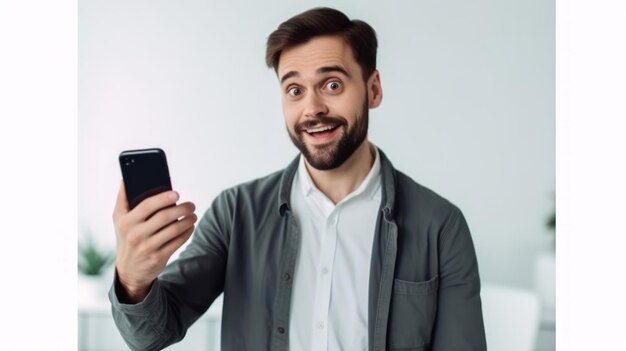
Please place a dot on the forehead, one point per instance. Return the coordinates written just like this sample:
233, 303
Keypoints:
318, 52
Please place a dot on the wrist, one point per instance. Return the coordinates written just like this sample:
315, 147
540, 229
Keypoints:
131, 293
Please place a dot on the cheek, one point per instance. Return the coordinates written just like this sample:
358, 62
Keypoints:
349, 106
290, 114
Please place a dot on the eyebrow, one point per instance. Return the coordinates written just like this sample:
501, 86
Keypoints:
325, 69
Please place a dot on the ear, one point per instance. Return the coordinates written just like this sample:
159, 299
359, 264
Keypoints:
374, 90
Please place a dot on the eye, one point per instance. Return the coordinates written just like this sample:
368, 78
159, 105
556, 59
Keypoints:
334, 85
295, 91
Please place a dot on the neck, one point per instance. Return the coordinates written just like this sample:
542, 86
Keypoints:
337, 183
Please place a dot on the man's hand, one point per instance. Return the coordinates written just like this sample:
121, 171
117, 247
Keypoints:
147, 236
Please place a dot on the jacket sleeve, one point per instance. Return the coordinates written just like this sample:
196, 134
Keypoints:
459, 321
183, 291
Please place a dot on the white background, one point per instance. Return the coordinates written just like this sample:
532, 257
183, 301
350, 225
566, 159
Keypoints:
38, 114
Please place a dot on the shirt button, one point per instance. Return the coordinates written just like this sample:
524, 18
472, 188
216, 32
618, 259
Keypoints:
320, 325
324, 270
281, 330
286, 276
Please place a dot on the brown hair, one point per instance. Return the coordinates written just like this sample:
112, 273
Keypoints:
322, 21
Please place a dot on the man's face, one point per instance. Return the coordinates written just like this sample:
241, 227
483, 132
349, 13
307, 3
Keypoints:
325, 100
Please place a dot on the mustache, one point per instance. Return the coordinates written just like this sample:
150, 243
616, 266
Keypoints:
322, 119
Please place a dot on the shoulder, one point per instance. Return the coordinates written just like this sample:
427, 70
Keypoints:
410, 198
415, 199
241, 201
256, 187
252, 194
409, 189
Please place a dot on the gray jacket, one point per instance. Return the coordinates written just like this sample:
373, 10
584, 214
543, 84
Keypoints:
424, 291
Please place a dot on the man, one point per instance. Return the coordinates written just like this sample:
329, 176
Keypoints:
339, 251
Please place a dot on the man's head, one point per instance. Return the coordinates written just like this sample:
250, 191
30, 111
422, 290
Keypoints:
326, 65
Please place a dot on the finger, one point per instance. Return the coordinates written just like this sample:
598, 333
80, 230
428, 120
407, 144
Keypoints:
121, 203
151, 205
170, 232
171, 246
166, 216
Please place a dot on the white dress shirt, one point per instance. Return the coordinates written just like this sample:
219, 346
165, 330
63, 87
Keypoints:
329, 302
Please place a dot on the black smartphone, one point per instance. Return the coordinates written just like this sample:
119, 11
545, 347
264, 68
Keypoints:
145, 174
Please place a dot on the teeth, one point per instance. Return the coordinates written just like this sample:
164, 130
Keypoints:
321, 129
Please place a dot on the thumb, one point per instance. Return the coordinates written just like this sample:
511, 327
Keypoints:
121, 204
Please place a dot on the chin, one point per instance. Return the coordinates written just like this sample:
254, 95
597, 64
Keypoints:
326, 158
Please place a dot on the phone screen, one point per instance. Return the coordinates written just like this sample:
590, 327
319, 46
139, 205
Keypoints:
145, 174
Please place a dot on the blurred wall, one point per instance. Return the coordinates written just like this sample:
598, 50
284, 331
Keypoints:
468, 106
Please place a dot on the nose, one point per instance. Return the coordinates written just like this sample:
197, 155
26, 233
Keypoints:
314, 106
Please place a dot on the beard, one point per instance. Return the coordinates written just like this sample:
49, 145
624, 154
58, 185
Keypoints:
332, 154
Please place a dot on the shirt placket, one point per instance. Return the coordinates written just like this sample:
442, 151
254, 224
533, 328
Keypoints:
324, 278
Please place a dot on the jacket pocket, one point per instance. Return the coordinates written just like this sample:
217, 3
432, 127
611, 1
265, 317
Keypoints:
412, 314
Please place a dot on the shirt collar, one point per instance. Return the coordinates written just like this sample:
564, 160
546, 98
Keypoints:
387, 178
368, 186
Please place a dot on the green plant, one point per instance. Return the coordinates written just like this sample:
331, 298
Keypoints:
92, 260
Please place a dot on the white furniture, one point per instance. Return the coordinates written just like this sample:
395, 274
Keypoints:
97, 331
545, 286
511, 318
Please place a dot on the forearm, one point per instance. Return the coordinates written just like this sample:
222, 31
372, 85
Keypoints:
176, 299
144, 325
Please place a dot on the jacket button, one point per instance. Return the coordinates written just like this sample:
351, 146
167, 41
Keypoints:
387, 212
286, 276
281, 330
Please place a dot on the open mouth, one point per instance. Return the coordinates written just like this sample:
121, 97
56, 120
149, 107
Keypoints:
322, 131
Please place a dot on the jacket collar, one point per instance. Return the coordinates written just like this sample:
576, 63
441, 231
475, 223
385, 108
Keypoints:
284, 189
388, 180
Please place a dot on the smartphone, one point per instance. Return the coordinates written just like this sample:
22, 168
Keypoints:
145, 174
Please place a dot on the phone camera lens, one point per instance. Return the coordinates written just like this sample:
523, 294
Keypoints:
132, 160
